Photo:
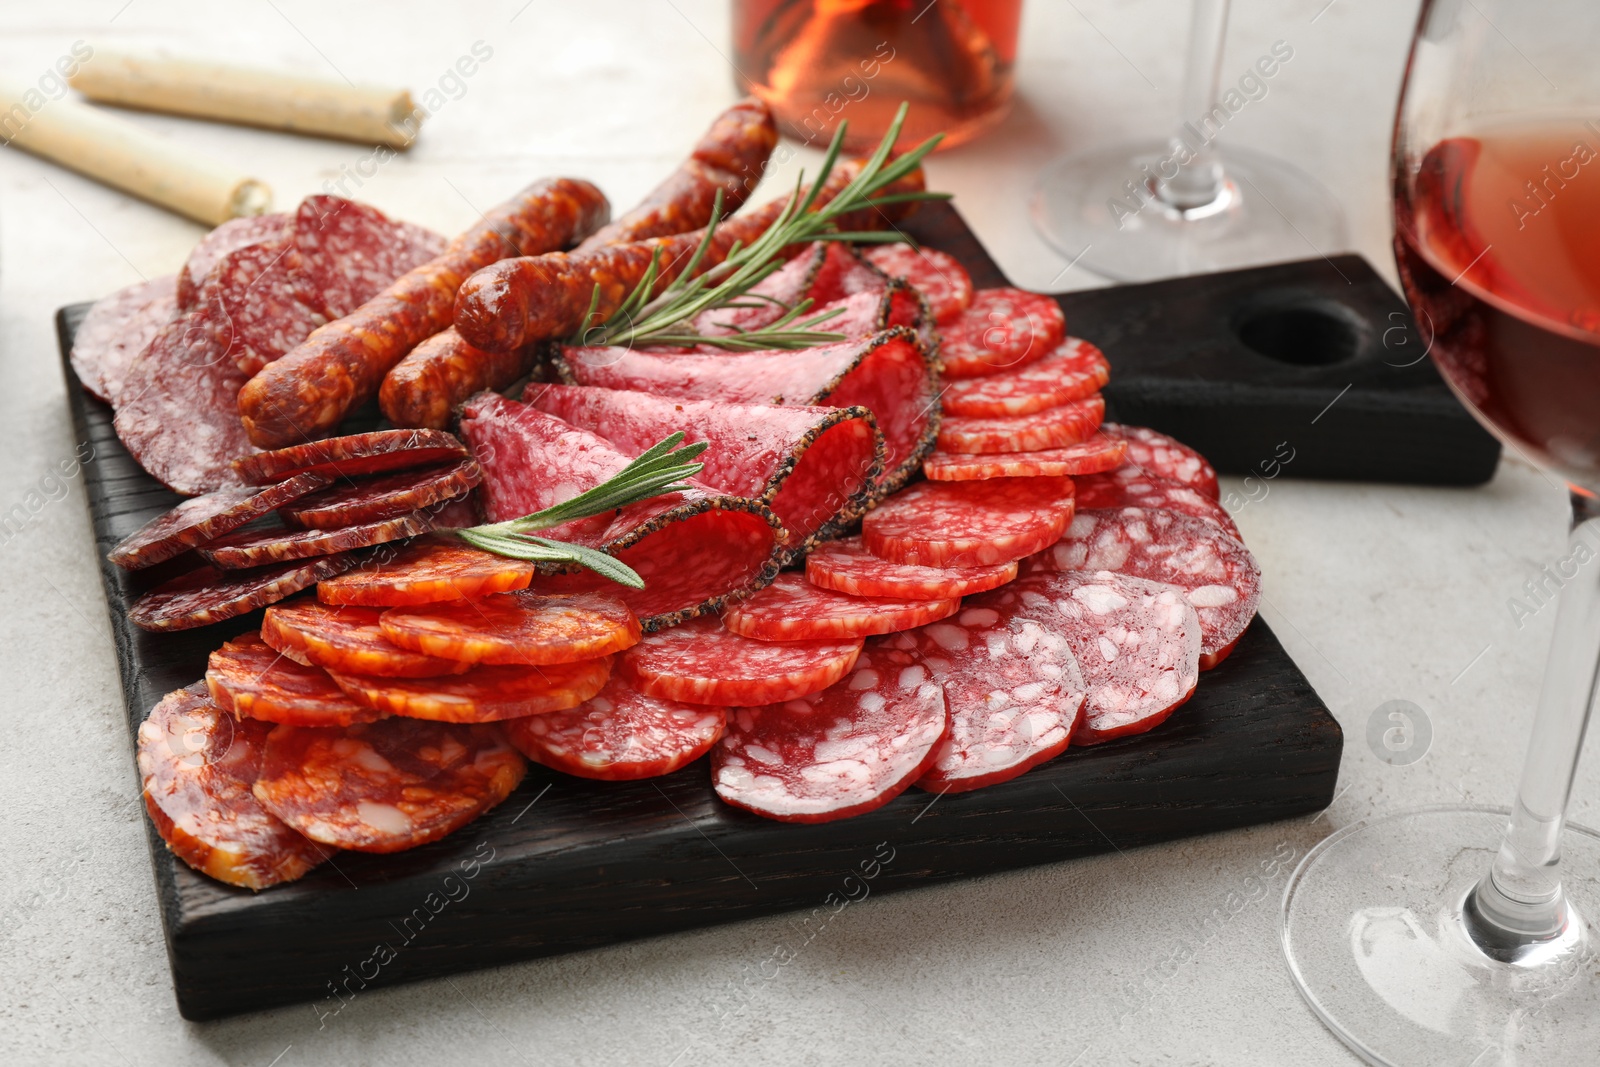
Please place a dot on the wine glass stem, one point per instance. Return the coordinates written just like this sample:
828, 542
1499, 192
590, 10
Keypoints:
1520, 901
1198, 181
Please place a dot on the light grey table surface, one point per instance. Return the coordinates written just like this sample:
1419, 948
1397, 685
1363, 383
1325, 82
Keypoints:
1379, 592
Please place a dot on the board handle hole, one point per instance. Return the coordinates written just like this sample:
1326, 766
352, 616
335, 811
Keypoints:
1301, 331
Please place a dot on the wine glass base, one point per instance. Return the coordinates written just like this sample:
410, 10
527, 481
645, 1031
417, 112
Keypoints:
1099, 209
1373, 935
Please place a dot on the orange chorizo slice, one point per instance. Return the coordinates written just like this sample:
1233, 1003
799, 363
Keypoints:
483, 694
253, 680
427, 572
516, 628
345, 638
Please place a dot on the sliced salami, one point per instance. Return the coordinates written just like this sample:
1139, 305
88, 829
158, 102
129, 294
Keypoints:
1217, 574
841, 752
350, 252
483, 694
968, 524
385, 786
426, 572
694, 548
206, 595
516, 628
1003, 329
256, 294
1014, 687
1137, 643
205, 518
345, 638
1126, 487
258, 548
813, 466
1058, 427
1100, 452
198, 764
387, 496
253, 680
229, 237
352, 455
1075, 370
1160, 455
793, 609
619, 735
702, 663
847, 567
117, 329
938, 276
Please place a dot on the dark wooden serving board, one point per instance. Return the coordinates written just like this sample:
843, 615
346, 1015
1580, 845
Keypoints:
567, 864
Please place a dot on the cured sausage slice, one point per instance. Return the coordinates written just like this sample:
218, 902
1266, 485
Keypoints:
116, 330
205, 518
253, 680
969, 524
483, 694
938, 276
812, 465
889, 374
694, 548
354, 454
252, 548
425, 572
1014, 687
792, 609
198, 764
345, 638
257, 294
1057, 427
619, 734
1137, 643
388, 785
1160, 455
206, 595
384, 497
1075, 370
228, 237
847, 566
844, 751
1100, 452
349, 252
1126, 487
1217, 574
1003, 329
699, 662
516, 628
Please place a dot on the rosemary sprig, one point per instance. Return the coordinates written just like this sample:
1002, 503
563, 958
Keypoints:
646, 319
659, 470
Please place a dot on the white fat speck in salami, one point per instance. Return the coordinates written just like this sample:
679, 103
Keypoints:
699, 662
1076, 369
844, 751
793, 609
116, 330
969, 524
1160, 455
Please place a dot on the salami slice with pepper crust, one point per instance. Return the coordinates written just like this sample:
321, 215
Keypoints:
792, 609
483, 694
844, 751
1014, 688
847, 567
352, 455
516, 628
206, 595
1129, 487
1137, 643
1075, 370
345, 638
385, 786
204, 518
386, 496
198, 764
116, 330
253, 680
813, 466
229, 237
1160, 455
968, 524
1101, 452
702, 663
1217, 574
1003, 329
938, 276
1057, 427
425, 572
253, 548
619, 735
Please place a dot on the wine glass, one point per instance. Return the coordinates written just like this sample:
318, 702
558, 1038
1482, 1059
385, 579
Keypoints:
1187, 205
1464, 935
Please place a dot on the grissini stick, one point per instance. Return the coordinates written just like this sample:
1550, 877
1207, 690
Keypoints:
362, 113
119, 153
